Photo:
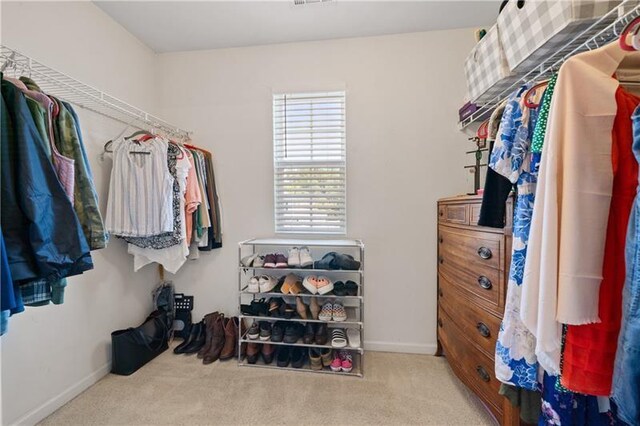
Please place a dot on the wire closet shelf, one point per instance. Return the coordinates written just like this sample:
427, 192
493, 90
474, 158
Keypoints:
606, 29
71, 90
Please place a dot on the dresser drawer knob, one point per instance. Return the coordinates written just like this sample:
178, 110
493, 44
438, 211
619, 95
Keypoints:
441, 213
484, 376
440, 293
441, 259
439, 323
441, 240
485, 253
484, 282
483, 329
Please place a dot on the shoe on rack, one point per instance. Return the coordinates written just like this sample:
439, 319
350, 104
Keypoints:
196, 329
326, 262
327, 357
310, 282
217, 327
258, 262
354, 337
254, 331
230, 347
281, 261
324, 285
301, 308
275, 303
298, 356
294, 257
287, 311
315, 358
265, 330
309, 334
314, 307
346, 262
339, 313
260, 307
339, 288
306, 261
326, 313
292, 332
268, 352
209, 336
277, 331
338, 338
352, 288
322, 334
270, 261
254, 285
284, 356
253, 351
347, 361
336, 364
291, 284
267, 283
247, 261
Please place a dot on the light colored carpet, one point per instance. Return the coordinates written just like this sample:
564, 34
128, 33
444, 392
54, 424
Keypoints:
398, 389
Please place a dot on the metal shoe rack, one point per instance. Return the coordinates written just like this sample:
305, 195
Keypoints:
354, 305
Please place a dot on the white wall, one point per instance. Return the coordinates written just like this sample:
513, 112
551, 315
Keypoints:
52, 353
403, 151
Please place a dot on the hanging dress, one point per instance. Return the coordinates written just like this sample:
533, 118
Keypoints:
590, 349
515, 360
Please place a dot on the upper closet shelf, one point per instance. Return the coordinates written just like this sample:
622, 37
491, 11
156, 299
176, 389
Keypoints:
66, 88
606, 29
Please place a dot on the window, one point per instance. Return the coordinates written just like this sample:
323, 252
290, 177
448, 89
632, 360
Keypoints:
309, 157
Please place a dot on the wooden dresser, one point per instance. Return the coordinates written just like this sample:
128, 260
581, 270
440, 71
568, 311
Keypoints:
473, 267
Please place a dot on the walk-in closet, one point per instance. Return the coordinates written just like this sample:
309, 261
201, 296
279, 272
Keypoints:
312, 212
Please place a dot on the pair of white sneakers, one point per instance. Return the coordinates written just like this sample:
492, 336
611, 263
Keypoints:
300, 257
262, 284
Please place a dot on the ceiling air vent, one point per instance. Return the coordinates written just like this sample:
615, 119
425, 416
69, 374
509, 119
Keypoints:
305, 2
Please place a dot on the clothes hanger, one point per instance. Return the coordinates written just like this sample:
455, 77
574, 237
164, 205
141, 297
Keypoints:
631, 26
527, 96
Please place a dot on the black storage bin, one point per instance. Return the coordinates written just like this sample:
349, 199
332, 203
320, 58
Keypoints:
134, 347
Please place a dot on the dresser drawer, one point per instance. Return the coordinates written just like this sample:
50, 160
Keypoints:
454, 213
483, 286
477, 324
474, 368
471, 250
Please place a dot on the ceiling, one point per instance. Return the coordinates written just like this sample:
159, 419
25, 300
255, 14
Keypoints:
169, 26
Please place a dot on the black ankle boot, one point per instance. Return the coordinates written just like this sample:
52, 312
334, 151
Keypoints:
195, 331
198, 342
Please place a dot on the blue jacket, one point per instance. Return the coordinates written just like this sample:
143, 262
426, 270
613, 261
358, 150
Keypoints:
42, 233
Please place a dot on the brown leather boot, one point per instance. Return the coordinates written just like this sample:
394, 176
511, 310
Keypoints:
230, 348
207, 322
217, 339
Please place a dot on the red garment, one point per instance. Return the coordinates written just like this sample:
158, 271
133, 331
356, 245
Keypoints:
590, 349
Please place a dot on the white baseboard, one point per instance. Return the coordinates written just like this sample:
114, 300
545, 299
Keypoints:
39, 413
408, 348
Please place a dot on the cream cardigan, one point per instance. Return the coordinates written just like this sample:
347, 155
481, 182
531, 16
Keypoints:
564, 261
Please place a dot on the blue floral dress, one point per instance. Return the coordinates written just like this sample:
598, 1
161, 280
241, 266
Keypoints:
515, 360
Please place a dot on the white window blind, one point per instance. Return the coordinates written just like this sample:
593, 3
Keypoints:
309, 154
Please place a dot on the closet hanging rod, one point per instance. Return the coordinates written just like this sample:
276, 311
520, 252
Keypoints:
604, 30
73, 91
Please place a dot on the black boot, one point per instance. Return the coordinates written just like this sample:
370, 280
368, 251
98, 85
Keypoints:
198, 342
193, 335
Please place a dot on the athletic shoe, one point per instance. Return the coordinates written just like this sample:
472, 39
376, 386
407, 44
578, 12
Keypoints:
270, 261
326, 313
347, 361
258, 262
306, 261
281, 261
294, 258
338, 312
254, 331
248, 260
265, 330
254, 285
267, 283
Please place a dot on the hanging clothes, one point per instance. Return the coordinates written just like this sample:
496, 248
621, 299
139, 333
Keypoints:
193, 196
496, 186
515, 358
626, 377
590, 349
141, 190
33, 199
563, 268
